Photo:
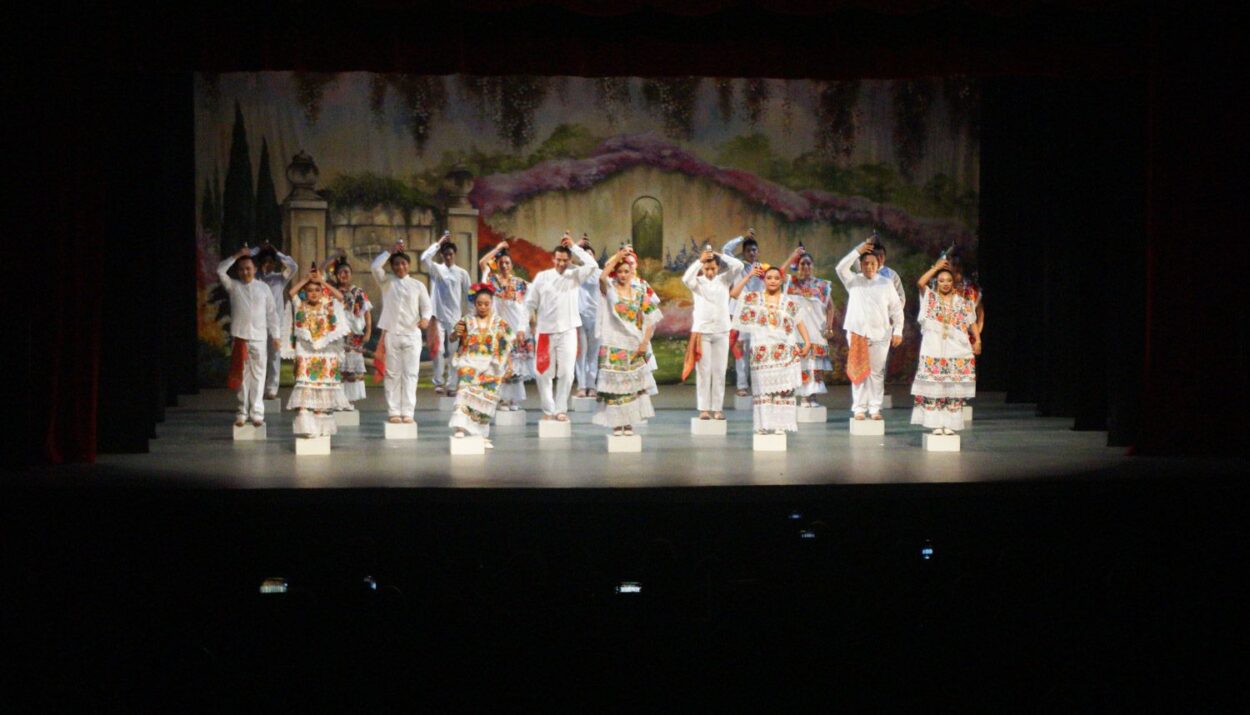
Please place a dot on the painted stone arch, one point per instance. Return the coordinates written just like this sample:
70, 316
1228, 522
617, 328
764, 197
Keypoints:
647, 221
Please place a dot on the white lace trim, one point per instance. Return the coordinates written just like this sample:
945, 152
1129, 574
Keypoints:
354, 391
615, 382
629, 413
318, 398
353, 362
774, 416
309, 424
770, 381
932, 419
926, 388
477, 400
463, 421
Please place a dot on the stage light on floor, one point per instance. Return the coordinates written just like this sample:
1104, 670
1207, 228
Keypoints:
927, 552
273, 585
629, 587
370, 583
795, 516
807, 534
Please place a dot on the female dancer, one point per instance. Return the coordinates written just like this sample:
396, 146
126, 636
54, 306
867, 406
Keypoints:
814, 296
510, 305
483, 361
628, 314
772, 319
356, 308
317, 332
947, 372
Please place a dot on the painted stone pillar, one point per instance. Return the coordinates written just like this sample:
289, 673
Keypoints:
462, 218
305, 215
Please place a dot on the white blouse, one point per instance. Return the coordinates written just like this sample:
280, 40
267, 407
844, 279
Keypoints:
873, 308
554, 296
405, 302
711, 296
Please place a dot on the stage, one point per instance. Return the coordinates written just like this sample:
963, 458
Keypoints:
1005, 443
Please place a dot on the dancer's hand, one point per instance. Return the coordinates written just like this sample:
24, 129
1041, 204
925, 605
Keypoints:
896, 341
460, 330
976, 348
277, 344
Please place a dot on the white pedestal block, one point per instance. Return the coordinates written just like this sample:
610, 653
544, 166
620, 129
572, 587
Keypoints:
632, 443
867, 427
273, 407
510, 418
769, 442
887, 402
813, 414
446, 404
249, 433
347, 418
940, 442
708, 428
401, 430
744, 402
312, 446
468, 445
967, 415
583, 404
554, 429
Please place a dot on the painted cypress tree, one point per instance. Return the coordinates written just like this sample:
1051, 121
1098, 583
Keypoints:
238, 212
268, 215
206, 208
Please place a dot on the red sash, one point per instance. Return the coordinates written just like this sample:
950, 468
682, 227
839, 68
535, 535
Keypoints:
694, 353
238, 356
379, 359
433, 339
542, 358
735, 347
857, 364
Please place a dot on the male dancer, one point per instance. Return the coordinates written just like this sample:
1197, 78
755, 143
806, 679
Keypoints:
553, 295
449, 285
267, 259
588, 308
406, 311
252, 318
873, 324
750, 250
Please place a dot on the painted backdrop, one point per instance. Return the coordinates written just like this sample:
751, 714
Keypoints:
315, 162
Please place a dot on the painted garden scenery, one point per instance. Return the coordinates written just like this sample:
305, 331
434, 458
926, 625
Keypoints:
311, 163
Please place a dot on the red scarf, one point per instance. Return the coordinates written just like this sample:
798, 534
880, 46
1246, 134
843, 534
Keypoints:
857, 364
238, 356
379, 359
735, 346
542, 358
694, 353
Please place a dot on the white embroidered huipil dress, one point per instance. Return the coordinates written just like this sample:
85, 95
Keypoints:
813, 298
946, 375
356, 307
483, 358
625, 381
316, 344
775, 368
509, 305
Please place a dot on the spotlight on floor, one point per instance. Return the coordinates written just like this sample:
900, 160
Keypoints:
370, 583
274, 584
795, 515
927, 552
629, 587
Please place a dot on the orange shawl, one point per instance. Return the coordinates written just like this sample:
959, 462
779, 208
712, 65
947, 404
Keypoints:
857, 365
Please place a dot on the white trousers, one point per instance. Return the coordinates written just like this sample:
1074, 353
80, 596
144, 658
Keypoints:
710, 372
563, 347
742, 365
273, 370
403, 360
588, 362
867, 395
252, 391
444, 371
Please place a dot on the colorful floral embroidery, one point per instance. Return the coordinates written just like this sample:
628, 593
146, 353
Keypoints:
514, 290
940, 369
312, 369
813, 289
318, 321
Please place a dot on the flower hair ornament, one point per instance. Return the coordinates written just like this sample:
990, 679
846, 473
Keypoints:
631, 258
477, 288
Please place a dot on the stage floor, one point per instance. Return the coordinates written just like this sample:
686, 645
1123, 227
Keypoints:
1006, 442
